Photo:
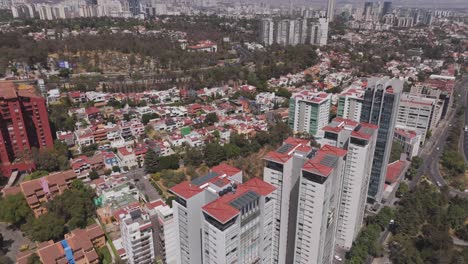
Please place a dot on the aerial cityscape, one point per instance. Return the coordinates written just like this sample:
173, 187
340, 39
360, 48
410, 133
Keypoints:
233, 131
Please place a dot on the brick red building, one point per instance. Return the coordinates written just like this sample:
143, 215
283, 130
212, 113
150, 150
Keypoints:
24, 124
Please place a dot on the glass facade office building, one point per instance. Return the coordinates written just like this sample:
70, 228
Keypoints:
380, 107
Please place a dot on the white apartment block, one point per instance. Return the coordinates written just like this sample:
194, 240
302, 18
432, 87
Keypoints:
416, 113
359, 139
267, 32
191, 196
137, 236
309, 111
350, 103
282, 170
237, 227
164, 231
319, 201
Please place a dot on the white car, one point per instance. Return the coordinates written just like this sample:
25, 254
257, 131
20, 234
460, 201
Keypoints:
338, 258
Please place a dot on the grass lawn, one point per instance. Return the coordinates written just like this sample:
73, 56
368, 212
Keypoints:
104, 251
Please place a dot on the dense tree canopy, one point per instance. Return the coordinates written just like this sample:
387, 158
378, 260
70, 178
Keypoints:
14, 209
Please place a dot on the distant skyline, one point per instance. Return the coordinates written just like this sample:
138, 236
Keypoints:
407, 3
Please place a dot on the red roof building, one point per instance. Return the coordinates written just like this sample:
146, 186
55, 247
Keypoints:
24, 124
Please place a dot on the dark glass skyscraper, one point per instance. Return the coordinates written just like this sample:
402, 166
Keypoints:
380, 107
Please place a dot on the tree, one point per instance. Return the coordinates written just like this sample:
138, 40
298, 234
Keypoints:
193, 156
151, 161
145, 118
115, 168
93, 174
75, 206
36, 175
403, 189
64, 73
170, 162
45, 227
211, 118
396, 151
34, 259
214, 154
283, 92
232, 151
14, 209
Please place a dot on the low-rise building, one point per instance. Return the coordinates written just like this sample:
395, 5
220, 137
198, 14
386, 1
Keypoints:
409, 139
39, 191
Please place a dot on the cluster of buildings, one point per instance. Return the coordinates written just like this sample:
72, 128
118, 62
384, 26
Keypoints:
404, 117
124, 129
79, 246
293, 31
383, 16
309, 201
100, 8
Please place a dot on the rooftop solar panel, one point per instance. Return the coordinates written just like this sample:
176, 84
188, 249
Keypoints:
243, 200
284, 148
204, 179
329, 161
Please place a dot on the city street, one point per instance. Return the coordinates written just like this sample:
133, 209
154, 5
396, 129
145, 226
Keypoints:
435, 145
143, 184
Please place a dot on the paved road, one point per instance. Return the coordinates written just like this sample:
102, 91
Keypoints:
433, 162
143, 184
465, 133
435, 145
14, 239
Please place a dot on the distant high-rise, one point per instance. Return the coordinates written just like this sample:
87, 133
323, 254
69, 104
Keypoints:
387, 8
267, 27
331, 10
287, 32
24, 124
380, 107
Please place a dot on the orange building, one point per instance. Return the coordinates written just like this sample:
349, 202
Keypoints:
41, 190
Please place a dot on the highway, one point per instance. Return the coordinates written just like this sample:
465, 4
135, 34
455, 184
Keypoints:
435, 145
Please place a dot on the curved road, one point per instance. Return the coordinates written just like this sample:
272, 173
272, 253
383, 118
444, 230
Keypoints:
430, 164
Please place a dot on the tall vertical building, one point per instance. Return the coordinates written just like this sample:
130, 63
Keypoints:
380, 107
319, 32
350, 103
319, 200
137, 236
221, 220
359, 140
293, 32
387, 8
164, 231
24, 124
331, 10
237, 227
191, 196
267, 32
282, 170
309, 111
